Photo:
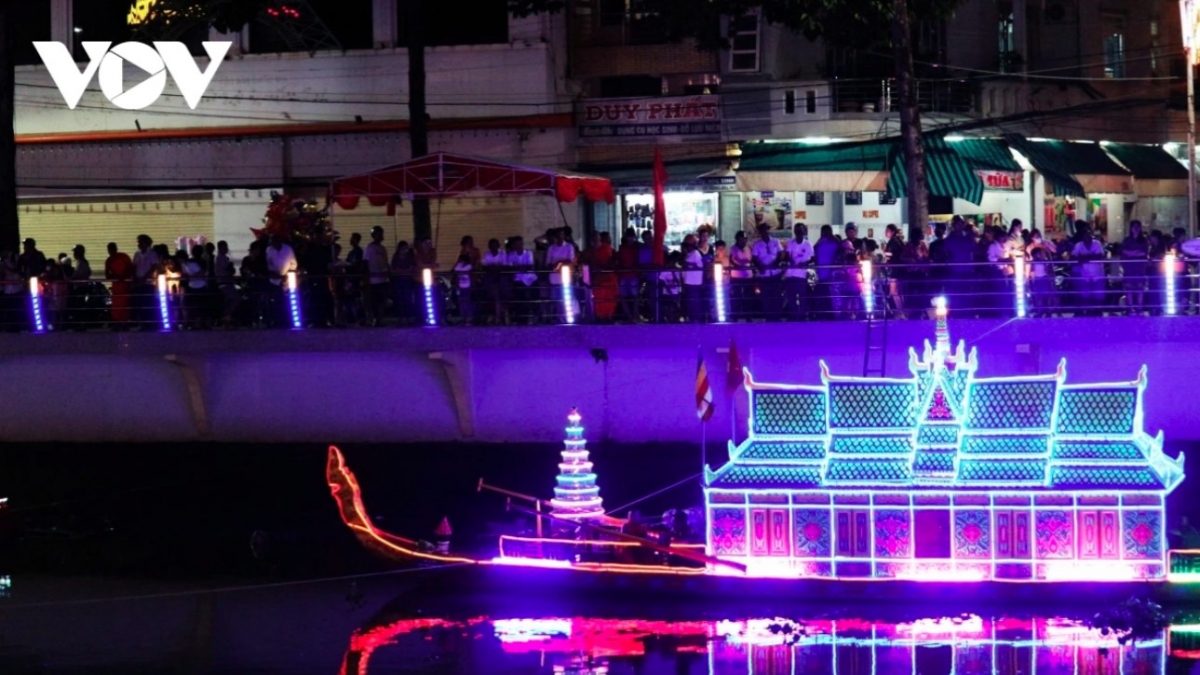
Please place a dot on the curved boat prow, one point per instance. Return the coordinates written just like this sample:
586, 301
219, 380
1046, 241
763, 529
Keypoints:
346, 492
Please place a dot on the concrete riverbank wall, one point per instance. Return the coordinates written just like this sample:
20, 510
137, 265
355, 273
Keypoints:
632, 383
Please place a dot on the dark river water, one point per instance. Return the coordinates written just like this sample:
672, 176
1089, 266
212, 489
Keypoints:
138, 559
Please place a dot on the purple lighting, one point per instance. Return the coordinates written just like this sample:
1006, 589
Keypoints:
945, 476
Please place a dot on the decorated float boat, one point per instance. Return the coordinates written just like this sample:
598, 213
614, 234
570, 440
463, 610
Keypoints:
940, 477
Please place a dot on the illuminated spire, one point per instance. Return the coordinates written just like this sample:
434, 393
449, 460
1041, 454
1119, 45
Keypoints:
577, 497
942, 331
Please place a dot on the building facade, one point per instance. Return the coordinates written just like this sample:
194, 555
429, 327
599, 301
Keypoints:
945, 476
596, 87
294, 105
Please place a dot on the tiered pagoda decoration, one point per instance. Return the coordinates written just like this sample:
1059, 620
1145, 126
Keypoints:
945, 476
577, 497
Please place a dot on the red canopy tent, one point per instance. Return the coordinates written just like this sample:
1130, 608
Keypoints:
442, 174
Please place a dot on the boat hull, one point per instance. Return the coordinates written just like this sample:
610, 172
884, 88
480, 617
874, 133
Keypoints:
533, 582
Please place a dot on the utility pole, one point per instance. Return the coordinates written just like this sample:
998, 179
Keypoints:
1189, 15
418, 123
1191, 140
10, 230
910, 117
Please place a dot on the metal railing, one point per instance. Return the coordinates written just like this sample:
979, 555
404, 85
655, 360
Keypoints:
880, 96
574, 294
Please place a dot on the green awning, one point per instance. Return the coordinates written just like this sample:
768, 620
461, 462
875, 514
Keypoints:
947, 174
1147, 161
710, 175
866, 156
986, 154
1055, 162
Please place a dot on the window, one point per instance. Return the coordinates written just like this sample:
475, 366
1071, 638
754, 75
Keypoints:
810, 102
932, 530
1012, 534
486, 22
789, 102
1099, 534
853, 530
1154, 40
770, 534
1113, 42
743, 47
1007, 43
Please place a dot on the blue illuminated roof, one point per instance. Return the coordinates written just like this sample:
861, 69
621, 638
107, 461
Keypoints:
945, 426
870, 445
1005, 445
1097, 411
872, 405
766, 476
1081, 477
783, 450
1002, 471
1010, 404
869, 471
937, 434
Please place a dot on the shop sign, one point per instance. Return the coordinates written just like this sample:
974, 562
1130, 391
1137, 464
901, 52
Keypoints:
872, 214
615, 119
1002, 180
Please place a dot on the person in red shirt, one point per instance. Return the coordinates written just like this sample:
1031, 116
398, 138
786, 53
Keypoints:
118, 269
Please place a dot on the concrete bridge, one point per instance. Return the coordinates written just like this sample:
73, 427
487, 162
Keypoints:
632, 384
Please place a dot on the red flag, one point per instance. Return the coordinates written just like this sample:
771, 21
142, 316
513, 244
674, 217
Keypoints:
660, 208
733, 378
704, 395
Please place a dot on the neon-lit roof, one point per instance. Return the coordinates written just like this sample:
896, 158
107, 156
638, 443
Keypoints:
944, 426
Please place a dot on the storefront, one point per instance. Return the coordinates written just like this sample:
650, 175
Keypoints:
696, 195
59, 223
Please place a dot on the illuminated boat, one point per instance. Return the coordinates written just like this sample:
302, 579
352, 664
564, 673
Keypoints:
1015, 483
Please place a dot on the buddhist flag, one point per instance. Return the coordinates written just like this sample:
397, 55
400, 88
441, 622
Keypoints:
733, 378
704, 395
660, 208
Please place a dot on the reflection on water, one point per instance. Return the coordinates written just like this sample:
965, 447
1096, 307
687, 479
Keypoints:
592, 646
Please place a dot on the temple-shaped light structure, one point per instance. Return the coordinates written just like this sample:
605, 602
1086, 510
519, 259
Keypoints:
945, 476
577, 497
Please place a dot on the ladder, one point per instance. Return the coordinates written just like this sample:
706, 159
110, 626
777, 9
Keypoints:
875, 354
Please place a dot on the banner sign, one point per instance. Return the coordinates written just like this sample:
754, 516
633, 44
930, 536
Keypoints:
1002, 180
615, 119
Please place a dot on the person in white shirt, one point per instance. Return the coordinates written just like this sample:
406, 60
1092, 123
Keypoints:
741, 276
494, 260
375, 260
281, 260
1088, 254
145, 262
693, 280
766, 253
797, 254
1040, 254
559, 254
520, 266
462, 273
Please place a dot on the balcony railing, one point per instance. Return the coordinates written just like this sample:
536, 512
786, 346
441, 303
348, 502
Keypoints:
881, 96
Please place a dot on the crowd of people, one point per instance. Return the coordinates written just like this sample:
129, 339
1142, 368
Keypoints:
761, 276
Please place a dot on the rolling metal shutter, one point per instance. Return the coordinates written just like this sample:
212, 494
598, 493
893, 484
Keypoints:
60, 224
480, 217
